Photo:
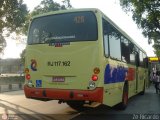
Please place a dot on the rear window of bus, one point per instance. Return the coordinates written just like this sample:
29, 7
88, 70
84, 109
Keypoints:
67, 27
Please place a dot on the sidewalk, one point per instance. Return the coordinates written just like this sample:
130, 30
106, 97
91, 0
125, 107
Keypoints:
149, 103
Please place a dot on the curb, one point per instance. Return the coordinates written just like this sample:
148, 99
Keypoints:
10, 87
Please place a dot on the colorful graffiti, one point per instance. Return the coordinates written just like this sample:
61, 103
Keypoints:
118, 74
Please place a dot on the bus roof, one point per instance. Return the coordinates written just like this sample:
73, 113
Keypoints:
66, 11
91, 9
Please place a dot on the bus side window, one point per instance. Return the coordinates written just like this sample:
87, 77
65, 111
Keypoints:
137, 59
141, 59
114, 43
125, 50
105, 37
132, 58
132, 54
145, 60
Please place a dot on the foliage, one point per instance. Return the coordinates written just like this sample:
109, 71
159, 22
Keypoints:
157, 52
146, 14
12, 17
44, 7
2, 42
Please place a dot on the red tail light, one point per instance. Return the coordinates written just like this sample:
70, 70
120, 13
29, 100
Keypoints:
94, 77
28, 76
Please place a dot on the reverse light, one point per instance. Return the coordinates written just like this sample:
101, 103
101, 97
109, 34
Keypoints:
94, 77
30, 83
96, 70
92, 85
28, 76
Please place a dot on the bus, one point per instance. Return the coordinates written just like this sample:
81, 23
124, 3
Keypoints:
81, 57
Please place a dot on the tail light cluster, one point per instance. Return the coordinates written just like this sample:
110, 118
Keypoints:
96, 71
94, 78
28, 76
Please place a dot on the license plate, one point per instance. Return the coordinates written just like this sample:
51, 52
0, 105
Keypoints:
58, 79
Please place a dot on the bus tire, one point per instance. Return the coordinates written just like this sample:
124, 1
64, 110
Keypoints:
124, 103
76, 105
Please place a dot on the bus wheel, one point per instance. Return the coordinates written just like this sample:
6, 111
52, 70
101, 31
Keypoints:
124, 102
77, 105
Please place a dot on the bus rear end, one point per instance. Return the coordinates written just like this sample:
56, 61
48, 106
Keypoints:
62, 60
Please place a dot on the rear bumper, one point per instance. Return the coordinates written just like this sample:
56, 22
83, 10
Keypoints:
61, 94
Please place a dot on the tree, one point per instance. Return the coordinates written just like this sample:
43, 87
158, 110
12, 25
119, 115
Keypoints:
146, 14
44, 7
12, 18
47, 6
2, 42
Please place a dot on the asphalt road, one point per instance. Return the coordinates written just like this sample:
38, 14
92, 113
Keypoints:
17, 107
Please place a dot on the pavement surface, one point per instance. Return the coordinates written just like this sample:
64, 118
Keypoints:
14, 106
